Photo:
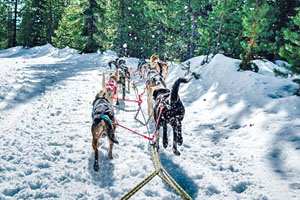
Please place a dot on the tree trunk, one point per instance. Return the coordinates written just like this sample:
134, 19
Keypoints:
50, 24
194, 36
121, 29
14, 39
9, 28
246, 61
192, 18
220, 31
189, 42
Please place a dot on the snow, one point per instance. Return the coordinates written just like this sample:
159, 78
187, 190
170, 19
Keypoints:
241, 131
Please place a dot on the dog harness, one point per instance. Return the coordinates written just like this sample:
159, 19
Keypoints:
102, 109
111, 86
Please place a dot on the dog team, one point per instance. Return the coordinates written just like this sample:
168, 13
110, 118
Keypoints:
164, 105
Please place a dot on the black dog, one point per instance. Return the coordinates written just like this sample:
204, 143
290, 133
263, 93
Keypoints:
172, 113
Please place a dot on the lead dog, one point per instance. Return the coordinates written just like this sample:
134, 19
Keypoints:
169, 109
102, 115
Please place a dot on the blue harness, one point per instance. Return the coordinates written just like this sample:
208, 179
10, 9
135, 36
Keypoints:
102, 109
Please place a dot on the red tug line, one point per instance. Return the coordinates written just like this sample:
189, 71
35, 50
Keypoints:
144, 136
139, 101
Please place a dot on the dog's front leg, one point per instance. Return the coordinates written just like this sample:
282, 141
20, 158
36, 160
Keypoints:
165, 135
157, 137
128, 82
116, 95
123, 89
149, 101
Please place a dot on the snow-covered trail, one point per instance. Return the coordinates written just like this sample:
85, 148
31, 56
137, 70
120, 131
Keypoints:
46, 140
232, 148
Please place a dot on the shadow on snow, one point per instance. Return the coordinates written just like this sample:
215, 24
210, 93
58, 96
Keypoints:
105, 176
41, 78
180, 176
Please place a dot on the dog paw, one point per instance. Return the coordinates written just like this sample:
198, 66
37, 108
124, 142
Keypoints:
110, 155
180, 141
96, 166
176, 152
165, 142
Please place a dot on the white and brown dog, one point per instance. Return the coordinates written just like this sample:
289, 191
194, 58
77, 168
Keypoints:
103, 115
154, 82
161, 67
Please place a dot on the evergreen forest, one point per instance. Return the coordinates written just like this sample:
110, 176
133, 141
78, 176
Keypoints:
175, 30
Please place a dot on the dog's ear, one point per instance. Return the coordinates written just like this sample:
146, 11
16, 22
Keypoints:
103, 79
97, 96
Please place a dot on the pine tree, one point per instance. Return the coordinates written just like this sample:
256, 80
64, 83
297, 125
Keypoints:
69, 28
257, 21
4, 25
284, 11
39, 21
221, 31
14, 39
291, 50
25, 37
91, 15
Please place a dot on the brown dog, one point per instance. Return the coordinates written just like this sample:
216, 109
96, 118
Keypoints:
112, 83
102, 115
160, 66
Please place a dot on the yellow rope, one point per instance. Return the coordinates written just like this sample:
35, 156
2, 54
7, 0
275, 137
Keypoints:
172, 186
170, 181
163, 174
185, 194
140, 185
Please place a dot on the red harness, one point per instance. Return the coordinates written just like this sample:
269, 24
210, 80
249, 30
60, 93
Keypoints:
111, 86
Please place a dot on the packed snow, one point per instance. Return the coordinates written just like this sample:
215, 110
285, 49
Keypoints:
241, 131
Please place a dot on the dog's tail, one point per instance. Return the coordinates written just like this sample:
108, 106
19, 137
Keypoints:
103, 80
175, 89
111, 133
